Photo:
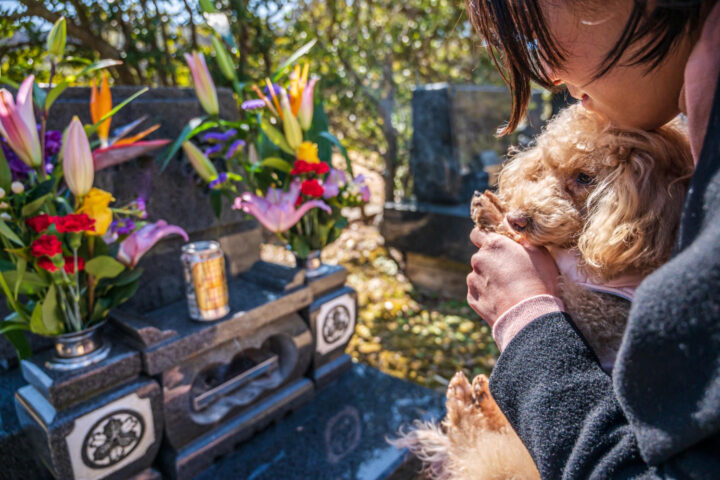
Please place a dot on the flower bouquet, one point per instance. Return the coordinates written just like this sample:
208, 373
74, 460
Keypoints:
68, 257
285, 178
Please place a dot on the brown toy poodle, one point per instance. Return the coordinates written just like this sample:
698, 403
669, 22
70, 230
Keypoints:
606, 202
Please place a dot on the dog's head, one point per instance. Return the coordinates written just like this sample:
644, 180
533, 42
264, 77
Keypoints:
615, 194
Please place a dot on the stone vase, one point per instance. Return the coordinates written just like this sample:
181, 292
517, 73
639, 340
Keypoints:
79, 349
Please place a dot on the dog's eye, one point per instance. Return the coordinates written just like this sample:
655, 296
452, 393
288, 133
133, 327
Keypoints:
584, 179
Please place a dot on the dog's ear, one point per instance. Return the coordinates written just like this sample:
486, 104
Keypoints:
634, 212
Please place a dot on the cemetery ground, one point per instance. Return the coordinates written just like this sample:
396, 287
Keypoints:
404, 331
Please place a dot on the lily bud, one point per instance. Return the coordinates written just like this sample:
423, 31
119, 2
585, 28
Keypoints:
291, 127
78, 168
201, 163
224, 59
17, 123
56, 39
305, 115
204, 86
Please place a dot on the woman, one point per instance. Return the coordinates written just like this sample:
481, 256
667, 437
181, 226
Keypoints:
639, 63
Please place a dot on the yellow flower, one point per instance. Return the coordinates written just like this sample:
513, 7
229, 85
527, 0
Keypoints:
308, 151
96, 205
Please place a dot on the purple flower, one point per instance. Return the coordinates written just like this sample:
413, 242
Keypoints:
233, 147
359, 182
276, 88
214, 149
335, 180
253, 104
141, 205
53, 142
221, 178
122, 226
213, 137
277, 210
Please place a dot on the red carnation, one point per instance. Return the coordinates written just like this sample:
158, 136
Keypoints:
300, 167
312, 188
47, 264
40, 223
322, 168
46, 245
75, 223
70, 265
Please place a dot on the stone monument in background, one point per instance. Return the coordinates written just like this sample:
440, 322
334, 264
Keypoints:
454, 152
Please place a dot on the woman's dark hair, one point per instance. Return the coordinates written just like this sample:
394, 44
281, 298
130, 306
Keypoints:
519, 41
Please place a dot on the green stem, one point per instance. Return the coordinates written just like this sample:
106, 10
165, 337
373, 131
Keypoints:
90, 279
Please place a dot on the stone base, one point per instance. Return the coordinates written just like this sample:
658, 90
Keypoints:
325, 374
437, 275
195, 457
112, 436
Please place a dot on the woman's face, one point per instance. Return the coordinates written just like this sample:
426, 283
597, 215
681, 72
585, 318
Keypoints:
627, 96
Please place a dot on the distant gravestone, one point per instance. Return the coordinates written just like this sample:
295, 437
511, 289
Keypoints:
452, 126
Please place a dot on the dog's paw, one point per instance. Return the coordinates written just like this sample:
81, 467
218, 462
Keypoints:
485, 403
459, 401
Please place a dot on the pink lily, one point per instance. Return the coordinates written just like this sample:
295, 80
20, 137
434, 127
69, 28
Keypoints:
277, 211
77, 160
17, 123
204, 86
139, 242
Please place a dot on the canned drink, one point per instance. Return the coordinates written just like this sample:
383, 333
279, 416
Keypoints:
205, 281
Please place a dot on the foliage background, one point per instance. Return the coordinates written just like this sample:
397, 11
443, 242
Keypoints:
370, 54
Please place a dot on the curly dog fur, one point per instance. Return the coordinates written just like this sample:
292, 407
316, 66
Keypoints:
615, 196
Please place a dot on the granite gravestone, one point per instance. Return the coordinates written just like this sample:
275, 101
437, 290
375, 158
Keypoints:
174, 195
454, 152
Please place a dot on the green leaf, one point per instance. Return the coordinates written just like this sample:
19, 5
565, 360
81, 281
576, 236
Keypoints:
104, 267
12, 326
7, 81
194, 126
21, 267
277, 163
333, 139
5, 173
128, 276
55, 93
39, 96
216, 202
207, 6
20, 342
99, 65
299, 246
275, 136
293, 58
90, 129
30, 282
46, 319
29, 208
6, 231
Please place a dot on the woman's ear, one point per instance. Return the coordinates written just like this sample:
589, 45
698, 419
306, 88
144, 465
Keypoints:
633, 214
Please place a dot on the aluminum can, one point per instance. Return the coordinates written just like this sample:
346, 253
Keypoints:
205, 280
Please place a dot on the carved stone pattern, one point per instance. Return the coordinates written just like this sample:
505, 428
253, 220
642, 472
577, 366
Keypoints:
112, 438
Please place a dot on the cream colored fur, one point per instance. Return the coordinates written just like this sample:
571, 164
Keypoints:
614, 194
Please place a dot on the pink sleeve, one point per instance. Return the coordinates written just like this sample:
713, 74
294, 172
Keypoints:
521, 314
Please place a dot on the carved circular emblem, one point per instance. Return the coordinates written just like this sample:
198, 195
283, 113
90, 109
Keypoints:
112, 438
336, 323
342, 434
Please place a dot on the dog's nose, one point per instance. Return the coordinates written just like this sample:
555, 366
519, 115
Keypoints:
517, 220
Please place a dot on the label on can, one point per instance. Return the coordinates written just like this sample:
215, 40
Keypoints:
210, 284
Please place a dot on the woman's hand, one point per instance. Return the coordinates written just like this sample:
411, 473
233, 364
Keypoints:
506, 273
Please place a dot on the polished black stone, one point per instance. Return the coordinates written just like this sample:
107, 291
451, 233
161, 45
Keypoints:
341, 434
